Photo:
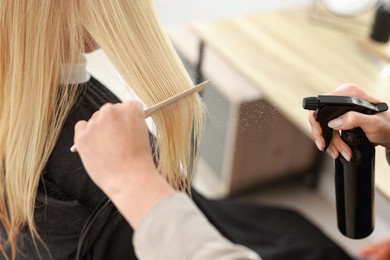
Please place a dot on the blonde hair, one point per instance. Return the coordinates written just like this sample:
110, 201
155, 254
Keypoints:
36, 38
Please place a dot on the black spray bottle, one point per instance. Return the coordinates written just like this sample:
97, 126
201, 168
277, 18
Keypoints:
354, 179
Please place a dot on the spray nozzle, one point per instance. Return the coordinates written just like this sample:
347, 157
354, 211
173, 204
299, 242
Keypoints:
331, 107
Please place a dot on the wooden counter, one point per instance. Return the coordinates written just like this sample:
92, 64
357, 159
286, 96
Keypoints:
288, 57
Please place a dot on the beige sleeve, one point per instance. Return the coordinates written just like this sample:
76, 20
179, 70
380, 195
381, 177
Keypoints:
175, 229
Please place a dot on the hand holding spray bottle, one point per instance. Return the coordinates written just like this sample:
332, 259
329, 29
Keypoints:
354, 179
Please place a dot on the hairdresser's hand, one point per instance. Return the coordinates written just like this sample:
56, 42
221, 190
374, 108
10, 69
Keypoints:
114, 148
380, 251
376, 127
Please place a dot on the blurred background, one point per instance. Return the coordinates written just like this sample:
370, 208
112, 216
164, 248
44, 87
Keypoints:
255, 149
176, 12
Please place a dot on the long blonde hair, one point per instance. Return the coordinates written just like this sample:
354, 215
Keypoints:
36, 38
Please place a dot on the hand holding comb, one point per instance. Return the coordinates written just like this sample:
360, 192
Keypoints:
150, 110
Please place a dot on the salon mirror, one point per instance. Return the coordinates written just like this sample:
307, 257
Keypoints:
348, 8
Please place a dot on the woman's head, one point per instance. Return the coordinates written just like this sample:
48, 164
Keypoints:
36, 39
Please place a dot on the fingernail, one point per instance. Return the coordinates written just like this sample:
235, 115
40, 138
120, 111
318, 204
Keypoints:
335, 123
343, 86
319, 146
332, 153
346, 156
315, 131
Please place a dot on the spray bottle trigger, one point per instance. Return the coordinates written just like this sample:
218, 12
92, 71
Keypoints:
327, 133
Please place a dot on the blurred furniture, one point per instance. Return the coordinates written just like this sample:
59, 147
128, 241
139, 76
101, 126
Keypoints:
348, 16
286, 57
247, 142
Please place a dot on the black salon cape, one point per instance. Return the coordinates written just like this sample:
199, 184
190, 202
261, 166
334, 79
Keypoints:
72, 212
